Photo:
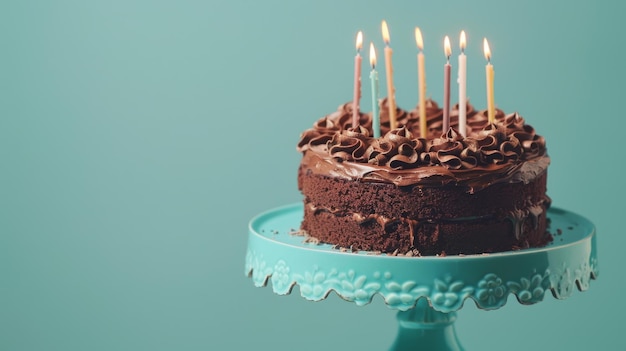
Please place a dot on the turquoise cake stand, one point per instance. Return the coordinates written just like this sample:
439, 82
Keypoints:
426, 291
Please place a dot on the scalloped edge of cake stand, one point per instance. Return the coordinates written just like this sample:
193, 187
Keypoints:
446, 282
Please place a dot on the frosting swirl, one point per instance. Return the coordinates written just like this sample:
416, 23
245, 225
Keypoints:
349, 145
452, 153
506, 142
397, 149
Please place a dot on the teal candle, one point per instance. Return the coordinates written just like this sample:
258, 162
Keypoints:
374, 81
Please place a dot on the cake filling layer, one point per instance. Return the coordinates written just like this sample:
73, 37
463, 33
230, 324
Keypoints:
471, 235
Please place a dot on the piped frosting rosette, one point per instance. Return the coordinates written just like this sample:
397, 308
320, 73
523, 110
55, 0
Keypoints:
506, 141
397, 149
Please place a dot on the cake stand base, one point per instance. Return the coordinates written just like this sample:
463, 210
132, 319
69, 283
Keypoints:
427, 290
423, 328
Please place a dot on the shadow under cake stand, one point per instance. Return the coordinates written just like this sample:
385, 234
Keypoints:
426, 291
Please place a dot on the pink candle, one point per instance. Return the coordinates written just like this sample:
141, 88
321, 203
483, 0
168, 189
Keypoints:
462, 87
446, 86
357, 81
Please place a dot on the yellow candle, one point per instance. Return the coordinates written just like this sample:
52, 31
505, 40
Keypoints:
421, 76
446, 85
491, 107
391, 92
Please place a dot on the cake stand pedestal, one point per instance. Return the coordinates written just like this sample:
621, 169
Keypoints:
426, 291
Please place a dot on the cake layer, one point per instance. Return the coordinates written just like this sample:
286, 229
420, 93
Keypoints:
420, 202
427, 237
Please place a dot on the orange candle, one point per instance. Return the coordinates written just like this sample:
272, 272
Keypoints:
391, 91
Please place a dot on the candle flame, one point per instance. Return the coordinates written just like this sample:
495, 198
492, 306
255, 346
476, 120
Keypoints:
462, 41
486, 49
372, 55
447, 48
385, 32
359, 41
418, 38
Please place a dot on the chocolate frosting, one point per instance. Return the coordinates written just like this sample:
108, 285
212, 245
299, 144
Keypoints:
507, 150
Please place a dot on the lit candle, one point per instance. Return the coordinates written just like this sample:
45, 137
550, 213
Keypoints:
374, 80
462, 87
391, 92
421, 76
357, 80
491, 107
446, 86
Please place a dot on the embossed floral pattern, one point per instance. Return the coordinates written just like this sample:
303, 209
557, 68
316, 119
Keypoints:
583, 274
356, 288
403, 296
491, 292
280, 278
260, 271
449, 294
445, 295
313, 285
564, 283
529, 291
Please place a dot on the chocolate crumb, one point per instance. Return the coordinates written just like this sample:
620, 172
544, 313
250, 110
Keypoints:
311, 240
299, 232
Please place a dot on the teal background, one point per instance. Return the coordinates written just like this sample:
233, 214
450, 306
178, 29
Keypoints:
137, 139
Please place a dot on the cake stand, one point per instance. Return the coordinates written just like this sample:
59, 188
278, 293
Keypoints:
426, 291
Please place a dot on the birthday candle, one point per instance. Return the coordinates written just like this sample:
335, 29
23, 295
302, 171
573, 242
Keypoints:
421, 76
391, 99
462, 87
491, 107
357, 81
446, 86
374, 81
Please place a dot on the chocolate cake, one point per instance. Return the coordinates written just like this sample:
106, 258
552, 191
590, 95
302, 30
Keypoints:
438, 194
